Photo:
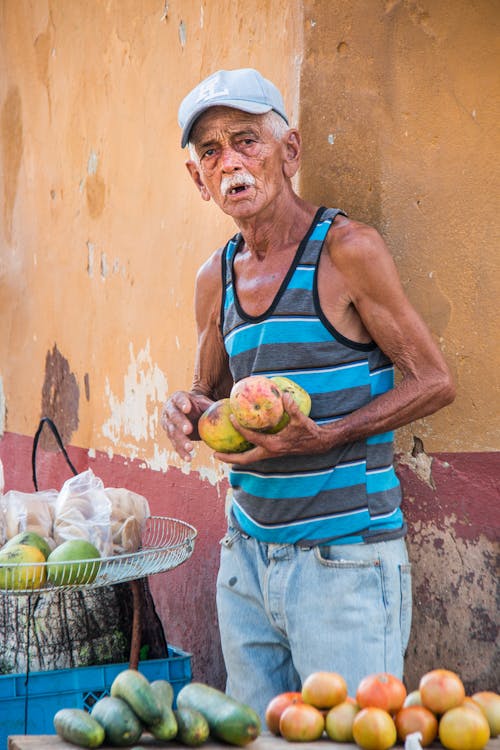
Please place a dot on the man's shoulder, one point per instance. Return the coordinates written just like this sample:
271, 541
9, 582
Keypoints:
210, 271
352, 238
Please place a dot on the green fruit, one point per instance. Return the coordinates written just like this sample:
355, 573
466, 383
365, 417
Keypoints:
135, 689
217, 431
62, 571
193, 729
77, 726
16, 573
166, 728
32, 540
299, 394
122, 727
228, 719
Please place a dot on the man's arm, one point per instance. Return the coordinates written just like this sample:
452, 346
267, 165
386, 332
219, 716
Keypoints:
370, 282
212, 379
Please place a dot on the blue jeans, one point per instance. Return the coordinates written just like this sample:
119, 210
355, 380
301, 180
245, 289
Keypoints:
286, 611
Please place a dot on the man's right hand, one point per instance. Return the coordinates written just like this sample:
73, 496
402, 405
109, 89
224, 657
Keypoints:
179, 419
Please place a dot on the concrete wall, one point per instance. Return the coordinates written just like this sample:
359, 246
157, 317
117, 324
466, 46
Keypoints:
102, 233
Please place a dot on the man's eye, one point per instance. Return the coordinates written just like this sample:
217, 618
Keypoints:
209, 152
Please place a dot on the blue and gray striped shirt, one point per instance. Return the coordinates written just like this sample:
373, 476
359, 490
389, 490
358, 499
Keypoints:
351, 493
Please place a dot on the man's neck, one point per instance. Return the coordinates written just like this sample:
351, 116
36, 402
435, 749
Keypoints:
283, 225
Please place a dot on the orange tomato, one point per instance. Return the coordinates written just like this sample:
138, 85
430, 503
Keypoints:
301, 722
374, 729
461, 728
382, 690
324, 689
339, 721
490, 704
440, 690
416, 719
276, 706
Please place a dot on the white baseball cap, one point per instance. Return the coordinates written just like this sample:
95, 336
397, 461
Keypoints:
243, 89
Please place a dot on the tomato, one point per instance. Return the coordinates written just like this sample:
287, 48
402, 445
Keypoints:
339, 721
416, 719
276, 706
441, 690
490, 704
381, 690
324, 689
413, 699
374, 729
463, 729
301, 722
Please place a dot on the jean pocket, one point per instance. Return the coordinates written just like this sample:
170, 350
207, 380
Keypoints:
406, 605
332, 558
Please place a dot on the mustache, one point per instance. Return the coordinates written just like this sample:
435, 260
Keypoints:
236, 180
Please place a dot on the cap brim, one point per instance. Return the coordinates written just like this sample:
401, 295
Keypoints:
253, 108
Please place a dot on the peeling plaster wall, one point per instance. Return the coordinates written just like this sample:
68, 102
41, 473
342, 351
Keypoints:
101, 234
399, 109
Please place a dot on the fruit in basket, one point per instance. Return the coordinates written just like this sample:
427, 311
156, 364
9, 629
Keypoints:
217, 431
78, 727
228, 719
277, 705
381, 690
68, 564
16, 573
121, 725
256, 402
374, 729
440, 690
299, 395
416, 719
32, 539
490, 704
324, 689
462, 728
301, 722
135, 689
339, 721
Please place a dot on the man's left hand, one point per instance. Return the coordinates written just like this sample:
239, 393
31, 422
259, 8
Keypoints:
300, 436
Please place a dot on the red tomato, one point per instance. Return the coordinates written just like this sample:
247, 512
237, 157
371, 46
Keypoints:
381, 690
275, 708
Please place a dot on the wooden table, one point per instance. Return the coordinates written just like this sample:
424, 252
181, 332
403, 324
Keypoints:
264, 742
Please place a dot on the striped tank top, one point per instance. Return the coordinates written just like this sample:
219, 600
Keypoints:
350, 494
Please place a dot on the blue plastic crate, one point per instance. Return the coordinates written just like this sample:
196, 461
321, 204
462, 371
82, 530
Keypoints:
74, 688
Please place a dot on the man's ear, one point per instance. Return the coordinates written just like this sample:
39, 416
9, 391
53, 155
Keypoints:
292, 147
194, 171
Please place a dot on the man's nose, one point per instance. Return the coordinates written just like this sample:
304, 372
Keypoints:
230, 159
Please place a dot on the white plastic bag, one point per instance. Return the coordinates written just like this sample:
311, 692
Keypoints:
83, 511
27, 511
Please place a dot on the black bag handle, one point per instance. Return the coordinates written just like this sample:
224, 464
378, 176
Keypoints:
55, 431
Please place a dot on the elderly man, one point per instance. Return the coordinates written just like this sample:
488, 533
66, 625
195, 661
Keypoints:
314, 573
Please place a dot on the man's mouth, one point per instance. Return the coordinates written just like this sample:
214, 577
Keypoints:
238, 189
236, 184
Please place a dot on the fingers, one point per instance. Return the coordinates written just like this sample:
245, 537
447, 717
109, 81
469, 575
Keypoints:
176, 424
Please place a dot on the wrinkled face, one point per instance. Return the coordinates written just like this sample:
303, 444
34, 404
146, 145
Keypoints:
240, 161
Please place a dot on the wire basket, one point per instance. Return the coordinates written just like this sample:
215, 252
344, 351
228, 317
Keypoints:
166, 543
